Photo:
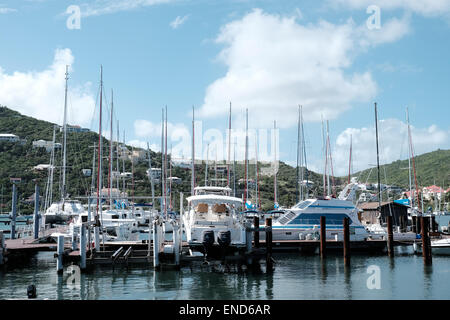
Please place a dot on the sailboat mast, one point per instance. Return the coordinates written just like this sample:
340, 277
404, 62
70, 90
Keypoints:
165, 165
325, 156
350, 160
411, 198
163, 186
275, 195
100, 153
328, 153
246, 157
193, 154
151, 175
63, 189
256, 170
117, 159
206, 168
297, 177
378, 158
301, 152
229, 147
110, 176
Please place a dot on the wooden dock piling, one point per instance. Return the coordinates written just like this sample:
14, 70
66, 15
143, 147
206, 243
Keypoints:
269, 262
2, 248
156, 244
414, 224
346, 243
390, 237
256, 233
83, 247
323, 237
36, 212
426, 248
60, 254
14, 211
433, 224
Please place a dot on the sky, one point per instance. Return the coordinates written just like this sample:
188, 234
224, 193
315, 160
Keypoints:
334, 58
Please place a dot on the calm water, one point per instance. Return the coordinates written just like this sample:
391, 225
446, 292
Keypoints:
295, 277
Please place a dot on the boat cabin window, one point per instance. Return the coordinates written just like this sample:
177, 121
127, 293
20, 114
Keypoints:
115, 216
302, 205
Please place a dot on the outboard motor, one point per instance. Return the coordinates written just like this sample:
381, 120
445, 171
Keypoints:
224, 238
207, 240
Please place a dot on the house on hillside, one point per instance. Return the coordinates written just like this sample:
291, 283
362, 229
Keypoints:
370, 212
8, 137
433, 192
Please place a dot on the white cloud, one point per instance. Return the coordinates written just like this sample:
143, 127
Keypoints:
178, 21
101, 7
423, 7
7, 10
40, 94
274, 64
393, 142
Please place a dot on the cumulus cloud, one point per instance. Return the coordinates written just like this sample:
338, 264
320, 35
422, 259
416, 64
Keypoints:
178, 21
393, 137
40, 94
274, 64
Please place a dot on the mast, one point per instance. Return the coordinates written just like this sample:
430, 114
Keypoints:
328, 152
93, 171
234, 169
117, 159
52, 169
275, 196
350, 160
165, 164
325, 156
378, 159
170, 180
301, 153
206, 169
193, 154
297, 178
110, 176
256, 172
414, 165
411, 198
163, 186
229, 147
63, 189
151, 175
246, 157
100, 155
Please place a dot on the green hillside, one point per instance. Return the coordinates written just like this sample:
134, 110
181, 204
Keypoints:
17, 161
431, 168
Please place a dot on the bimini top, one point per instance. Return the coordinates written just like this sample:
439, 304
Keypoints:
212, 199
225, 191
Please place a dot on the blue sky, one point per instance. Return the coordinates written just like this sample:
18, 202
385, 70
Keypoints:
267, 56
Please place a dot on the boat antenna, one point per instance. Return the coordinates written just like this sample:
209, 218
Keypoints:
229, 148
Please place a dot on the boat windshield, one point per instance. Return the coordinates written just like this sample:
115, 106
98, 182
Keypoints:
302, 205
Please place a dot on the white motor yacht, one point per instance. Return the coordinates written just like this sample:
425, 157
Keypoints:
213, 221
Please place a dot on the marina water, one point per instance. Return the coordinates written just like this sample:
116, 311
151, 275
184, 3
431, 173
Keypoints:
296, 276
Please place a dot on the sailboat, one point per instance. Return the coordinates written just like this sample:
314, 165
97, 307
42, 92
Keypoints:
115, 223
65, 209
